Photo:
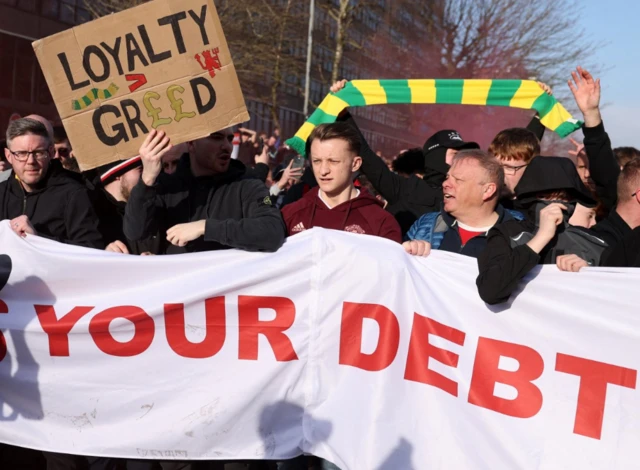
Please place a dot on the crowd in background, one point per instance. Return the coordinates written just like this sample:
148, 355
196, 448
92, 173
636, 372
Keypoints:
507, 206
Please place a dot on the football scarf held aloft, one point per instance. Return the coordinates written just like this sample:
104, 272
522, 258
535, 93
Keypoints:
524, 94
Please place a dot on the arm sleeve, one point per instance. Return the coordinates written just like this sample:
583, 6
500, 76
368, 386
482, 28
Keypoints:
417, 232
390, 229
501, 268
81, 221
536, 126
624, 254
260, 229
391, 186
259, 172
603, 166
142, 212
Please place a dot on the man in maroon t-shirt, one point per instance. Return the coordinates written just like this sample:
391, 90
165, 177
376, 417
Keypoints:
336, 203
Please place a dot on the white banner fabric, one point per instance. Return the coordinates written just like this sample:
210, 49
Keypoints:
338, 345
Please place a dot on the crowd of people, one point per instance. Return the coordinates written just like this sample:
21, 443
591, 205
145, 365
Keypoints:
507, 206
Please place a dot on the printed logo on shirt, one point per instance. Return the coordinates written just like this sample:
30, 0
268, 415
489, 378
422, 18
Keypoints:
354, 229
298, 228
265, 201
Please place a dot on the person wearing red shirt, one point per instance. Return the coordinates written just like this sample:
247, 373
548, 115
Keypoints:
336, 203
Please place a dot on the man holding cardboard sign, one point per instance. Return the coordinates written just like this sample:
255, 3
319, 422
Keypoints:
208, 204
163, 65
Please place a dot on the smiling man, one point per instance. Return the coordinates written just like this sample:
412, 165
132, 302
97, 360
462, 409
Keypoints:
40, 197
470, 208
207, 204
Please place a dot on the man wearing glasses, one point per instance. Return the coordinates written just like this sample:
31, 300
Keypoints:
40, 197
514, 148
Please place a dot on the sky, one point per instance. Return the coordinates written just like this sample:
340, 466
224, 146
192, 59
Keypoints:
615, 22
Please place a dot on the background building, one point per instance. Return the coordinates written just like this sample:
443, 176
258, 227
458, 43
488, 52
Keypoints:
375, 25
23, 89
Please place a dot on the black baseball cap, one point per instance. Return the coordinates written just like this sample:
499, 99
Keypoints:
448, 139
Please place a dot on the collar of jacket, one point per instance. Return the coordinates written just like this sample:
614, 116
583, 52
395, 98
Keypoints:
503, 216
56, 175
618, 223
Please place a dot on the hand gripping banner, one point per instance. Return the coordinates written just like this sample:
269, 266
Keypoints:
524, 94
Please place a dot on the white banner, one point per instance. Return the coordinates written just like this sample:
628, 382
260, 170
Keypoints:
339, 345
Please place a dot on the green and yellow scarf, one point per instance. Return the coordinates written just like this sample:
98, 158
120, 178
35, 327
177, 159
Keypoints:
524, 94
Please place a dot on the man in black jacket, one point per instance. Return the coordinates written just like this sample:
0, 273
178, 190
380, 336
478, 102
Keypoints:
601, 161
208, 204
626, 254
626, 215
550, 188
40, 197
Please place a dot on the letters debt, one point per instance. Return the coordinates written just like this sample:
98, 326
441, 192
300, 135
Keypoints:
595, 378
164, 64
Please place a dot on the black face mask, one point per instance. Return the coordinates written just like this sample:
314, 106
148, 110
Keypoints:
539, 205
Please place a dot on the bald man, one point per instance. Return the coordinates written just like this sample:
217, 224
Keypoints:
44, 121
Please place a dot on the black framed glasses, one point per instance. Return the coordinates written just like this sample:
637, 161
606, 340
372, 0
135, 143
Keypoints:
512, 170
23, 155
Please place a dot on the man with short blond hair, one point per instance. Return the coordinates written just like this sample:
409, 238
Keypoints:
334, 151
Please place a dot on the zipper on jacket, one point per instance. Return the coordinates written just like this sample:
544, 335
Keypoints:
24, 199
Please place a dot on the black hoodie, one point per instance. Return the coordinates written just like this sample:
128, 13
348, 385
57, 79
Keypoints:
59, 208
238, 210
507, 257
625, 254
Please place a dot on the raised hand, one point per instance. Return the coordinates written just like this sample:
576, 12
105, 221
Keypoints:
152, 150
290, 176
550, 217
586, 92
579, 147
264, 156
547, 89
337, 86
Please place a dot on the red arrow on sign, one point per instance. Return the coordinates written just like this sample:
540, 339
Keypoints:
139, 79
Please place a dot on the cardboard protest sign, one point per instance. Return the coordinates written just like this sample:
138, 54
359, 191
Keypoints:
164, 65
